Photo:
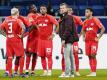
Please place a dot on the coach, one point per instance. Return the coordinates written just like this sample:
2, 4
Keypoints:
68, 34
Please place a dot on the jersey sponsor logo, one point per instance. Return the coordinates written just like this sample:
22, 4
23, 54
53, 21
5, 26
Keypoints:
46, 20
42, 25
89, 29
76, 48
94, 48
48, 50
92, 24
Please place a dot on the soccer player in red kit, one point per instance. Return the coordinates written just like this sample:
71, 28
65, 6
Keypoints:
14, 29
32, 41
78, 22
90, 29
28, 25
45, 24
25, 21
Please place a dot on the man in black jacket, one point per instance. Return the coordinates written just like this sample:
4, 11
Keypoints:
67, 32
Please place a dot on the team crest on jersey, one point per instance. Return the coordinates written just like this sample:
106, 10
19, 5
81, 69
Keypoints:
46, 20
92, 24
48, 50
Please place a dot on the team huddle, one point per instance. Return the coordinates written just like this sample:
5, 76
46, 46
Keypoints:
41, 29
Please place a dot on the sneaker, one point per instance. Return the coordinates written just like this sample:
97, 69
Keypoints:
32, 73
10, 76
93, 74
6, 74
62, 75
27, 74
77, 73
49, 73
16, 74
67, 76
44, 74
23, 75
72, 75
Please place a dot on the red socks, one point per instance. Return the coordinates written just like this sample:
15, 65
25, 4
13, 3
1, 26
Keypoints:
9, 65
76, 61
93, 64
21, 64
27, 61
44, 64
50, 62
34, 61
63, 63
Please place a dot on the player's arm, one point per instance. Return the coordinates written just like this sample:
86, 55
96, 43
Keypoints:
56, 24
101, 27
83, 31
80, 23
2, 29
23, 29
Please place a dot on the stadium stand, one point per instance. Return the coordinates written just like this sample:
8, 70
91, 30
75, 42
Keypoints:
99, 6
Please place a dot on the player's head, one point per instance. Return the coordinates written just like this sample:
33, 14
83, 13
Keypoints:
15, 12
43, 9
70, 10
88, 12
63, 8
32, 9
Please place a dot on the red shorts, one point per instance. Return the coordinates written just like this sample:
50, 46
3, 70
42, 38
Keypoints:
75, 47
14, 48
45, 48
32, 45
91, 47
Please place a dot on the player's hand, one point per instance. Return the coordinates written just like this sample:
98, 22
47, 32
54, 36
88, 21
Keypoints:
51, 37
96, 39
63, 43
83, 38
20, 36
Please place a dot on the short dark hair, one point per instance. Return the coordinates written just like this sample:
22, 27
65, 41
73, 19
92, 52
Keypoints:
64, 4
43, 5
89, 8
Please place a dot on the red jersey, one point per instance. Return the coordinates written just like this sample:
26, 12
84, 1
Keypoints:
12, 27
32, 18
77, 21
45, 24
25, 21
91, 26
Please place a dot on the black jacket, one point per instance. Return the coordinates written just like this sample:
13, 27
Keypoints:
67, 29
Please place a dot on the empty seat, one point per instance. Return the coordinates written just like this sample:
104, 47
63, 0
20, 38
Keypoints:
81, 2
70, 2
5, 10
98, 10
95, 2
104, 2
82, 10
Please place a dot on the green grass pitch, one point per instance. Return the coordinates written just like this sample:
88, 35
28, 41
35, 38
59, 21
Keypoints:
101, 75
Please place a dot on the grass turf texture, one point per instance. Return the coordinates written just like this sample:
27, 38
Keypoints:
101, 75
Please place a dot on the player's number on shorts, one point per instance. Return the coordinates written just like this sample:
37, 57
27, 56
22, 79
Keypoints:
10, 27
